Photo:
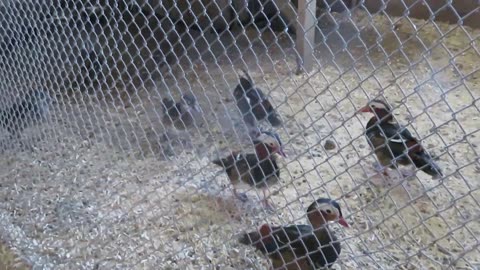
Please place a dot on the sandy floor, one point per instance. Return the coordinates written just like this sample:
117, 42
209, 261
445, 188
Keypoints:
101, 189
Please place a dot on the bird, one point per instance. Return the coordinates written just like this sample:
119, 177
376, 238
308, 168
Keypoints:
182, 114
267, 14
301, 247
259, 169
394, 143
32, 108
253, 103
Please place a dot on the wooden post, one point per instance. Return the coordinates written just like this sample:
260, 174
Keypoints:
306, 34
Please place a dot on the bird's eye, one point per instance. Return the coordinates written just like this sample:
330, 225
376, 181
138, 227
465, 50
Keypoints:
328, 211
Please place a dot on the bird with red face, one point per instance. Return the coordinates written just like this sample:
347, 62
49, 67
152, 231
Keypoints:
394, 144
301, 247
259, 169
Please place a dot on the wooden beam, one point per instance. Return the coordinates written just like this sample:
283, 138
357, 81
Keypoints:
306, 34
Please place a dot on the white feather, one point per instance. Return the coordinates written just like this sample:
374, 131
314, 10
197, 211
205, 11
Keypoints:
248, 100
398, 141
278, 239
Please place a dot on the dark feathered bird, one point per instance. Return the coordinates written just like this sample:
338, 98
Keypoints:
253, 103
267, 14
259, 169
301, 247
33, 108
394, 144
182, 114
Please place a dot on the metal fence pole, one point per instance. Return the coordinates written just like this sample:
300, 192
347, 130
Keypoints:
306, 33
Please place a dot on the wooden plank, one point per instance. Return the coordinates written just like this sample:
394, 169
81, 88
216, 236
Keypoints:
306, 34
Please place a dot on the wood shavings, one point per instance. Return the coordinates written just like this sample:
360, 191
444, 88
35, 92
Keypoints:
118, 200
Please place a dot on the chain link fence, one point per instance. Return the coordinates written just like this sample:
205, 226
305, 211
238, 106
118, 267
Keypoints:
96, 175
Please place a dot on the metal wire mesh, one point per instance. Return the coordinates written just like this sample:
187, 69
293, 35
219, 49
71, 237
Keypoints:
96, 174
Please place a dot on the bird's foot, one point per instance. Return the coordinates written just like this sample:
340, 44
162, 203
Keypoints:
268, 206
380, 169
242, 196
407, 173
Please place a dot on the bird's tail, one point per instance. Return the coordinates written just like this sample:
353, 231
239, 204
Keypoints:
222, 162
261, 239
425, 162
274, 119
249, 238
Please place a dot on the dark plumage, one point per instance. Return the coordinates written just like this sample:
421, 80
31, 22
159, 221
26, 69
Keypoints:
253, 103
267, 14
32, 108
301, 247
394, 144
182, 114
259, 169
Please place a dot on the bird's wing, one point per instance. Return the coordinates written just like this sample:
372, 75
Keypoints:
398, 138
401, 142
293, 236
255, 96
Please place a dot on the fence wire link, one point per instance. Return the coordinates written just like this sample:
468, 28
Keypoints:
113, 113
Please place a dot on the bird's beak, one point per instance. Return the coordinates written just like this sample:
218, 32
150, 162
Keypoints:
343, 222
365, 109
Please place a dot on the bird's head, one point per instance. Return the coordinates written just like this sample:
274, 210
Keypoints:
324, 210
378, 107
268, 143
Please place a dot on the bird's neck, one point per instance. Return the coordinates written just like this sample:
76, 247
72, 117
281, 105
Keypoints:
322, 232
381, 117
318, 225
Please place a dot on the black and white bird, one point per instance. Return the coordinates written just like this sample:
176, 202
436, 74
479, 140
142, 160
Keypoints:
183, 114
394, 144
254, 104
301, 247
31, 109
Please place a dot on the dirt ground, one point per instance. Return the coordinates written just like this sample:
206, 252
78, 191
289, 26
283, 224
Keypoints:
100, 188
